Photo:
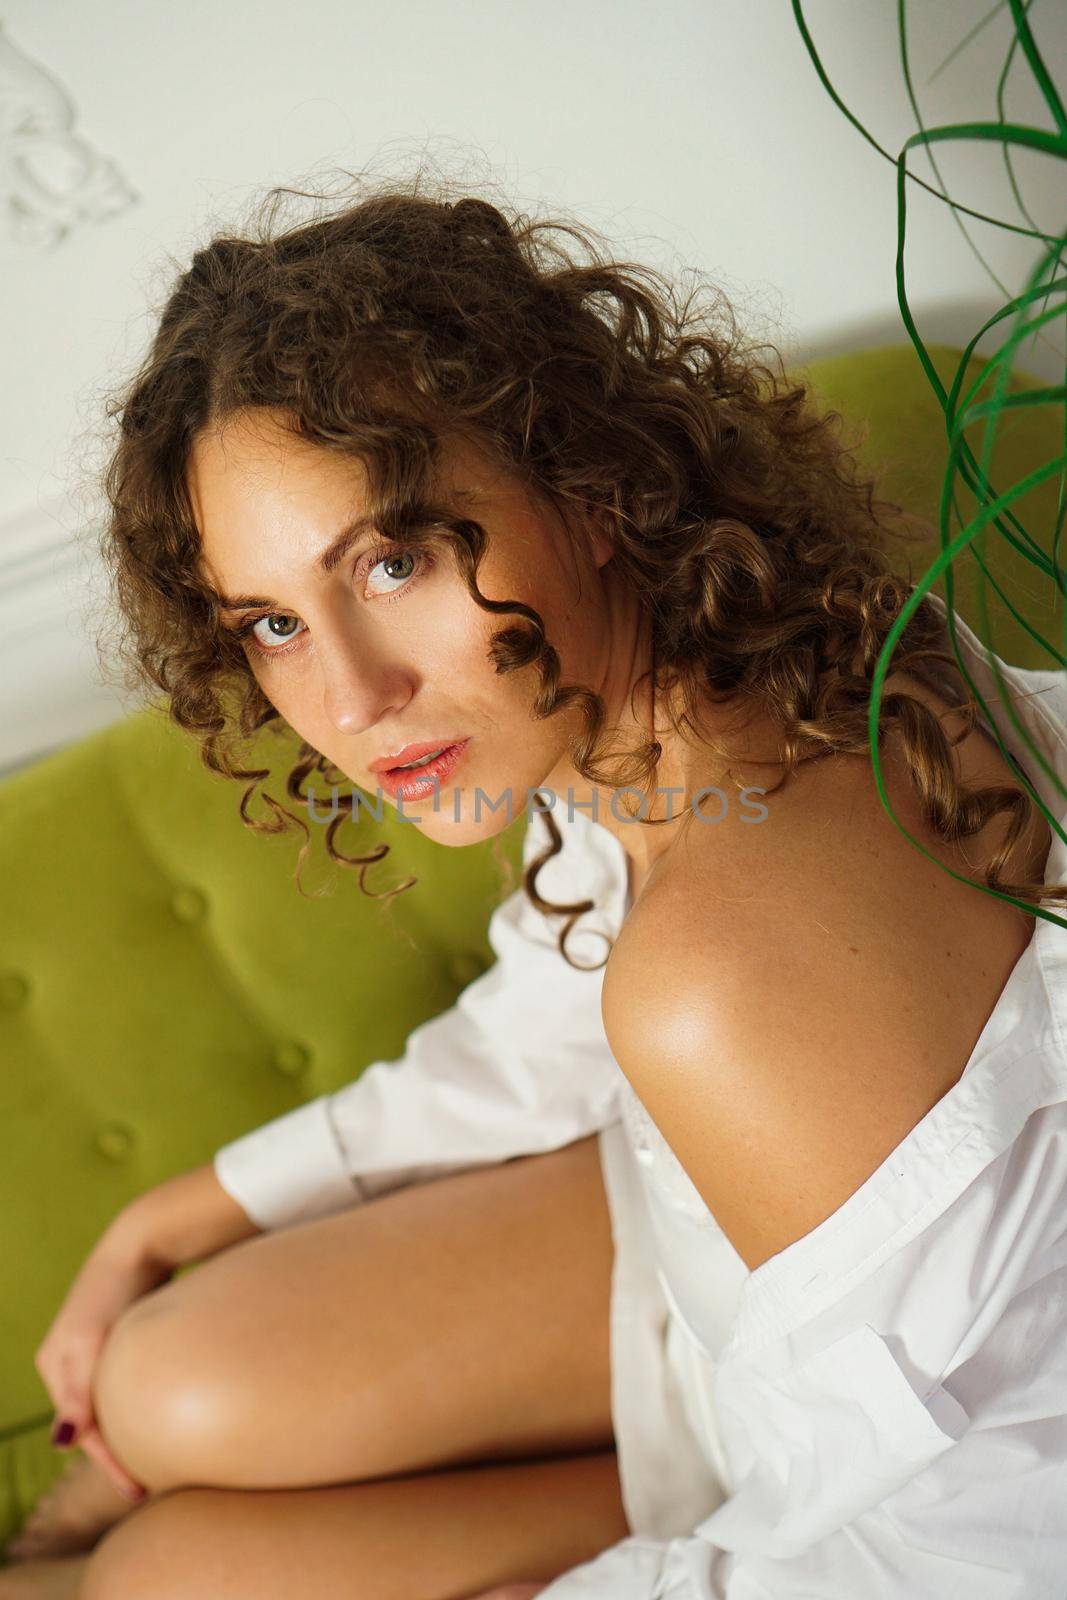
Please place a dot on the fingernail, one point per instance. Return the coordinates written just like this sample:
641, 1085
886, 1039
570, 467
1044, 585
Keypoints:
62, 1434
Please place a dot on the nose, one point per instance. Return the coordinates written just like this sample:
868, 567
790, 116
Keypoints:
360, 684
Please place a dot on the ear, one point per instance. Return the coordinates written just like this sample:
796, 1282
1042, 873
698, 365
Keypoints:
600, 540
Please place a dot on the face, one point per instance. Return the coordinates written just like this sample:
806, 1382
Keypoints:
388, 648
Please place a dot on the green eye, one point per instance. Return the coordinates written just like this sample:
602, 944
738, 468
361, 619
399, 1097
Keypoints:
248, 630
407, 560
410, 562
398, 560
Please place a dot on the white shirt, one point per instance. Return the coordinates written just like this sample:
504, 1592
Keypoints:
886, 1401
519, 1065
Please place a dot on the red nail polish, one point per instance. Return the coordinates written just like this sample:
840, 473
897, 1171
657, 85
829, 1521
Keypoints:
62, 1434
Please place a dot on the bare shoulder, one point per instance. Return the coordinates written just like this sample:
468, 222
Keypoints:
790, 999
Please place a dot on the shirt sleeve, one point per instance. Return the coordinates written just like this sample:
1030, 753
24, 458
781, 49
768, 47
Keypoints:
519, 1065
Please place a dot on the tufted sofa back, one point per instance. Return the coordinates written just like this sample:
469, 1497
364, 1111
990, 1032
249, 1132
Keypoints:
163, 988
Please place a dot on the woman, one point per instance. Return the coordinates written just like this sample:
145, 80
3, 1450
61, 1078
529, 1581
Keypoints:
733, 1241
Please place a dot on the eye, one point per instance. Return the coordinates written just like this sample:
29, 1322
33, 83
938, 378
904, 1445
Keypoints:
291, 628
399, 558
282, 637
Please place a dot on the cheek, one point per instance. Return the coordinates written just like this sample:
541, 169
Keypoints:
289, 694
447, 638
534, 578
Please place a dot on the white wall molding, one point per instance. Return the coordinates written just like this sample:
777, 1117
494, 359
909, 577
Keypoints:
51, 179
53, 600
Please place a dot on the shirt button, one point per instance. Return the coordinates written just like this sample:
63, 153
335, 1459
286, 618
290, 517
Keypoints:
114, 1140
291, 1058
644, 1155
188, 905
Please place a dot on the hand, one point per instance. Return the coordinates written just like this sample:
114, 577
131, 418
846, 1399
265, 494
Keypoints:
116, 1273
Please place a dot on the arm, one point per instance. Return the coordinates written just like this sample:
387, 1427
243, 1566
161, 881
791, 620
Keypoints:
182, 1220
519, 1065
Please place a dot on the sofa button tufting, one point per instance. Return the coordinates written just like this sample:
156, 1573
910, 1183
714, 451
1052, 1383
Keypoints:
114, 1140
464, 967
291, 1058
188, 905
13, 989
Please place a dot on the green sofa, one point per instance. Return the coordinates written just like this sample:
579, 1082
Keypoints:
163, 987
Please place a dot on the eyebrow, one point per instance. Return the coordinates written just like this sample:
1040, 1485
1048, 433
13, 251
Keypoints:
350, 535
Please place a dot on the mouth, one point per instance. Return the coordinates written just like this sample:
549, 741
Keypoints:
421, 779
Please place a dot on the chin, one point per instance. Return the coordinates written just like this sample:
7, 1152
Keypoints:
451, 817
453, 821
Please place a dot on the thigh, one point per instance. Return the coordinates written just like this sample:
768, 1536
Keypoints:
432, 1536
460, 1320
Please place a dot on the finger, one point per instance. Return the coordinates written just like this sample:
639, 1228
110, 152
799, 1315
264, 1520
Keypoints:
70, 1394
93, 1445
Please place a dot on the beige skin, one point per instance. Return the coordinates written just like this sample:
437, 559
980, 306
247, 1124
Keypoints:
360, 1367
378, 663
368, 1432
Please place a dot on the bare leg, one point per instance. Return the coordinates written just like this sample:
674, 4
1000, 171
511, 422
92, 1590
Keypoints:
81, 1505
457, 1321
453, 1322
431, 1536
58, 1578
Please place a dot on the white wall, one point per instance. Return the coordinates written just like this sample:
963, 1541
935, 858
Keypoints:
695, 133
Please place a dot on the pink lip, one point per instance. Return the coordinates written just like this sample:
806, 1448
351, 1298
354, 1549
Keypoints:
421, 782
410, 752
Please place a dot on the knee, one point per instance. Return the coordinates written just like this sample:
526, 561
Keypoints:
155, 1550
158, 1402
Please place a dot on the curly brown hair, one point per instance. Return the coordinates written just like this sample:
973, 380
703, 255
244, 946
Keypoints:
736, 507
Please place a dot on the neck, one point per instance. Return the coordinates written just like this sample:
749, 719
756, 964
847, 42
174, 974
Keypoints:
663, 808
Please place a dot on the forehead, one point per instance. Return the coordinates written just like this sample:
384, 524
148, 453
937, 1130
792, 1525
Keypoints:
269, 504
253, 461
